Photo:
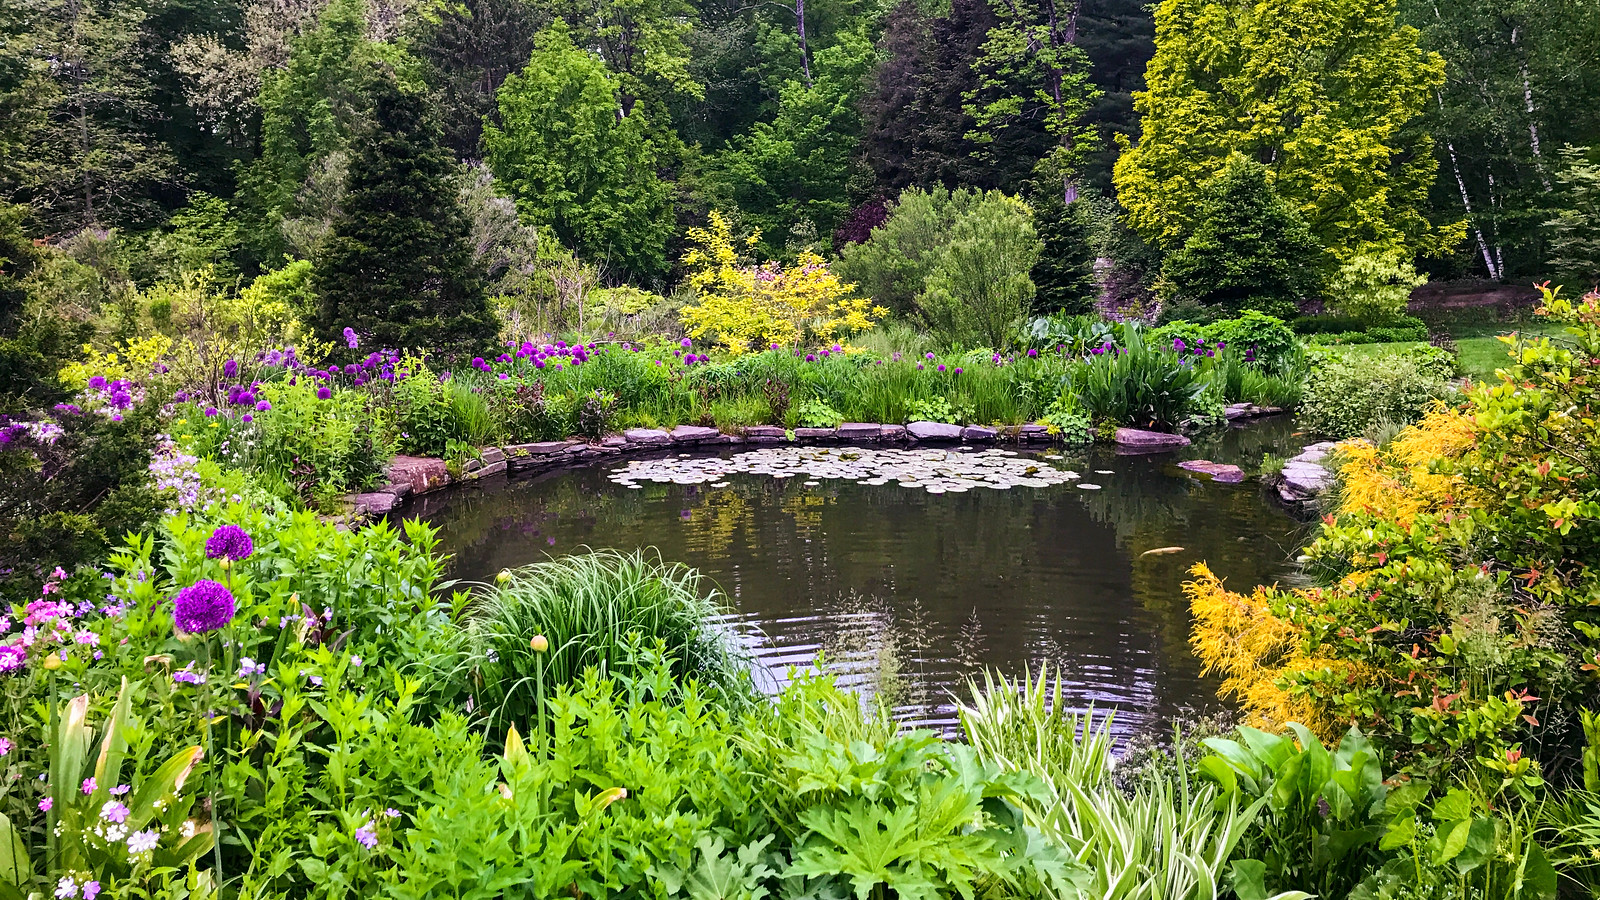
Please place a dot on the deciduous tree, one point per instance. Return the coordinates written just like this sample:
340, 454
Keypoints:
1327, 95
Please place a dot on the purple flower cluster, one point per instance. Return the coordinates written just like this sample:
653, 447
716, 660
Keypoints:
229, 542
203, 607
111, 398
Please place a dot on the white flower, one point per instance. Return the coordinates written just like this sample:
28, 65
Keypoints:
66, 887
143, 841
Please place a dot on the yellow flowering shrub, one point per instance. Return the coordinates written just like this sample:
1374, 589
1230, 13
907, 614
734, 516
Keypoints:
1413, 475
132, 361
746, 307
1256, 651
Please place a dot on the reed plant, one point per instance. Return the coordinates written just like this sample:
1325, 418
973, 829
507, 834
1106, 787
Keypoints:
1168, 838
594, 610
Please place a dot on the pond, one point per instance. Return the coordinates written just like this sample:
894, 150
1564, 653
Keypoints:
911, 591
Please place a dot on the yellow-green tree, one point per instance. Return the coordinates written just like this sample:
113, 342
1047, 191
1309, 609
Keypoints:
1326, 93
745, 306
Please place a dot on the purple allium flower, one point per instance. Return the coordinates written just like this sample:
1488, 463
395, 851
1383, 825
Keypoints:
263, 406
350, 338
12, 657
1032, 353
941, 367
229, 542
230, 369
98, 382
211, 411
323, 393
958, 370
811, 357
203, 606
366, 836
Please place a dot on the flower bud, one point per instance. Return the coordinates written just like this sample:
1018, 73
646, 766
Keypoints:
539, 643
51, 662
504, 576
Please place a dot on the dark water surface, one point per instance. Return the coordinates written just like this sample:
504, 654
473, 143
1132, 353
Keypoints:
913, 593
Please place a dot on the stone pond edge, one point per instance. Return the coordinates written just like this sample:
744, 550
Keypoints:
411, 476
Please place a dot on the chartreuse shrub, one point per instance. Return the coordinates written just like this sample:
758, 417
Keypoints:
747, 306
1453, 618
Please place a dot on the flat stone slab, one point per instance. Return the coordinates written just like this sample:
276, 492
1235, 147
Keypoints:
540, 448
650, 437
979, 434
492, 455
933, 431
859, 432
423, 473
694, 434
894, 434
380, 503
613, 441
1304, 476
484, 471
1141, 441
815, 434
765, 434
1222, 472
400, 491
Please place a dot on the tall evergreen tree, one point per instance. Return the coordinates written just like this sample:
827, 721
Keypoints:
77, 127
1064, 275
1252, 250
397, 267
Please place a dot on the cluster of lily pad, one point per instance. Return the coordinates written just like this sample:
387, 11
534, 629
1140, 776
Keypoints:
933, 470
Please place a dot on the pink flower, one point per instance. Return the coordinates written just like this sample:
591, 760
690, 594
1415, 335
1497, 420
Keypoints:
5, 747
88, 785
45, 804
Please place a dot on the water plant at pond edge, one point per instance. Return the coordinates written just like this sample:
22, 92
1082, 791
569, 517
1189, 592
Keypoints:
589, 609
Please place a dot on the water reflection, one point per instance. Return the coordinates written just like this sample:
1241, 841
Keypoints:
913, 592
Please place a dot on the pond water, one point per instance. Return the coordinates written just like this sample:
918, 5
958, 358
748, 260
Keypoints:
912, 592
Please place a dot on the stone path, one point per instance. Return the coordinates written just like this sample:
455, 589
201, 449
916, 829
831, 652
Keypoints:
1304, 476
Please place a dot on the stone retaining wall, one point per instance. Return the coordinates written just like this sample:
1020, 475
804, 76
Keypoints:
411, 476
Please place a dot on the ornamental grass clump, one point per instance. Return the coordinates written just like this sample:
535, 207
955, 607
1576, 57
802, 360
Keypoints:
592, 609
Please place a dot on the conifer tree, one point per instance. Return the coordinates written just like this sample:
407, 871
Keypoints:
398, 267
1252, 250
1064, 274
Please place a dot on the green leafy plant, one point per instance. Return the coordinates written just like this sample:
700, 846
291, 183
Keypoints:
1322, 811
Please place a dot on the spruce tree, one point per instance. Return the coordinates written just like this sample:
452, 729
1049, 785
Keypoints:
1064, 274
398, 267
1252, 249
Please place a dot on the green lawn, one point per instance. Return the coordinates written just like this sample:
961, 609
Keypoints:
1481, 351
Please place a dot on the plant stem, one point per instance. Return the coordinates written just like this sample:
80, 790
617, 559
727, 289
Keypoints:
211, 773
